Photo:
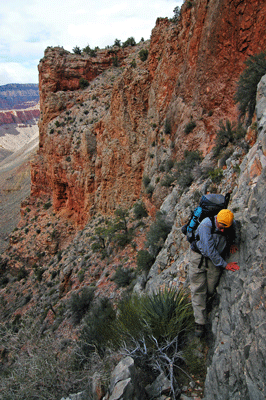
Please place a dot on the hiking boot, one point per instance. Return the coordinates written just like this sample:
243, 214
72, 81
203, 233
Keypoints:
199, 330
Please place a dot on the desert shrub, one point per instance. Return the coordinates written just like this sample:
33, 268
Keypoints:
133, 63
149, 190
83, 83
164, 314
216, 175
47, 205
247, 85
129, 42
184, 168
144, 260
146, 180
117, 43
190, 126
121, 233
80, 303
123, 276
22, 273
76, 50
167, 127
177, 12
89, 51
157, 234
167, 180
152, 329
140, 210
96, 331
143, 54
229, 132
31, 364
115, 61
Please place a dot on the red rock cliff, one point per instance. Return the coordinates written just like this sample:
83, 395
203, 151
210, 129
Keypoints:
96, 144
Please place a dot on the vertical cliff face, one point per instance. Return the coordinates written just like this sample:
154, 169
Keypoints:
190, 74
237, 368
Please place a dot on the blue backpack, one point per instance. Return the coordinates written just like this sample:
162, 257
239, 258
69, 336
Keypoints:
209, 206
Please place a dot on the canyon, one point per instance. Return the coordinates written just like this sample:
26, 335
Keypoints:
112, 142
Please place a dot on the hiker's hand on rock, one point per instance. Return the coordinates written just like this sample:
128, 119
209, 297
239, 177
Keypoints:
232, 266
233, 248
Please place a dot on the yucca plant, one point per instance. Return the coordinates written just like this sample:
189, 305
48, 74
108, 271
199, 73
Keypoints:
163, 315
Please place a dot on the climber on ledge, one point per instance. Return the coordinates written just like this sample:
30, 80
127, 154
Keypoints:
213, 237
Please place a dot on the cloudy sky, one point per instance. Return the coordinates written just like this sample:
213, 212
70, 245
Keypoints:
27, 27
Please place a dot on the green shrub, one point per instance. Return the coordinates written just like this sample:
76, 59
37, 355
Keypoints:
140, 210
133, 63
129, 42
150, 190
146, 180
157, 234
229, 132
89, 51
22, 273
177, 12
247, 84
96, 332
152, 329
168, 180
83, 83
167, 127
76, 50
117, 43
185, 167
80, 303
190, 126
115, 61
143, 54
216, 175
47, 205
123, 276
144, 260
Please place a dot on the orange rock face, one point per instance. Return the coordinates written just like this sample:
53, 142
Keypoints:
97, 144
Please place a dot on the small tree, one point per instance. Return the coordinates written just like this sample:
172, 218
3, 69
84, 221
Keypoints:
129, 42
76, 50
143, 54
83, 83
247, 85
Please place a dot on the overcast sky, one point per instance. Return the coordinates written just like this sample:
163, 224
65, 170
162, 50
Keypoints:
27, 27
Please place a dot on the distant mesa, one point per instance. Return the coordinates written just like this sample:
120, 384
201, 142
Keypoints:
18, 96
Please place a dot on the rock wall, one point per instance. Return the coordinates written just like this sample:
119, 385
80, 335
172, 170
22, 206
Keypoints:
190, 74
237, 369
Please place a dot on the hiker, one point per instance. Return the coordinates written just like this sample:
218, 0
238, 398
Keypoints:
212, 238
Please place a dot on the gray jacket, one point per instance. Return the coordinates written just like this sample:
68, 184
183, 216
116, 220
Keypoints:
211, 245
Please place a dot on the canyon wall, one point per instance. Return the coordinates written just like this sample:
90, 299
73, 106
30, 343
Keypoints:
190, 74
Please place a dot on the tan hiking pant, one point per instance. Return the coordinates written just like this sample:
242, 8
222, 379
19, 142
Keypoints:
203, 282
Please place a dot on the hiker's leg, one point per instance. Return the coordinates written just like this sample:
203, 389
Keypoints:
198, 286
213, 276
